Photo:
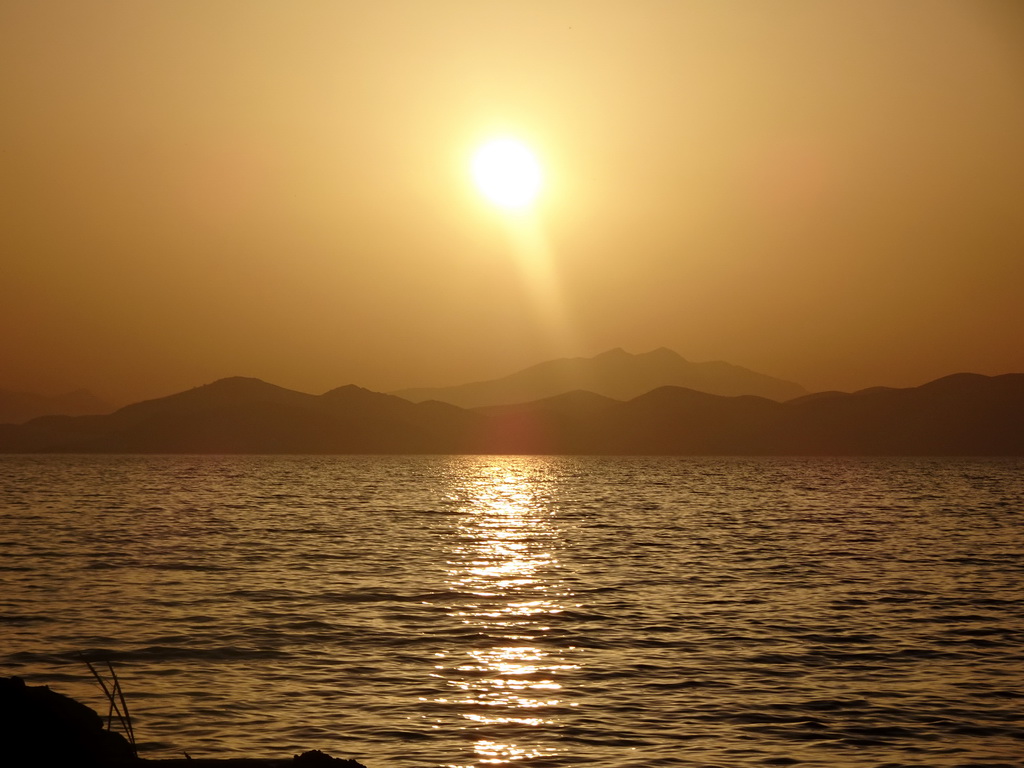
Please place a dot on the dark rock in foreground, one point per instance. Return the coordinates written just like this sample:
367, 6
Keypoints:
41, 727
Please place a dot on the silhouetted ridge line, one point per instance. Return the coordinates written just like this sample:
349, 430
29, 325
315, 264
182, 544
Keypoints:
963, 414
615, 373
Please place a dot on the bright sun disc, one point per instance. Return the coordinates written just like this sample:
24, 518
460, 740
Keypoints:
507, 173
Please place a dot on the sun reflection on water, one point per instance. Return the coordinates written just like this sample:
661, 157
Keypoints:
505, 580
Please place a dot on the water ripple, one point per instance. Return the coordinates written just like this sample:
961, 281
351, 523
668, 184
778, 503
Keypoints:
470, 611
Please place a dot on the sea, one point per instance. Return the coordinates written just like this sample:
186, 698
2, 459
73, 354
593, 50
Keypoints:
528, 611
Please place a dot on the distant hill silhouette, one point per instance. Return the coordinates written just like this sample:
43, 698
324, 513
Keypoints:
617, 374
17, 407
963, 414
244, 415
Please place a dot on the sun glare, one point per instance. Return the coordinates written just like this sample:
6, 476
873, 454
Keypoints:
507, 173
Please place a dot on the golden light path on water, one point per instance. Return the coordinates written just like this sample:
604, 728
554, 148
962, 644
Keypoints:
505, 571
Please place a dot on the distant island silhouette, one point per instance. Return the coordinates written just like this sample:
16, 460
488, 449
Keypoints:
616, 374
962, 414
23, 406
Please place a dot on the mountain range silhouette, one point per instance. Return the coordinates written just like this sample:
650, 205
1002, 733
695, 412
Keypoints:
963, 414
616, 374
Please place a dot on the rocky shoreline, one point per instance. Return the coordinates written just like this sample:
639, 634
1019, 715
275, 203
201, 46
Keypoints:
42, 727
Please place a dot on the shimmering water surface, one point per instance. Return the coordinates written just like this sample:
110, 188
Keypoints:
532, 611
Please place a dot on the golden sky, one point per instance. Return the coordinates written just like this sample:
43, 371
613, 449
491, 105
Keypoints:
828, 192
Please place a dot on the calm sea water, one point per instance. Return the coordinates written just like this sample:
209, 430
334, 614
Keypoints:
529, 611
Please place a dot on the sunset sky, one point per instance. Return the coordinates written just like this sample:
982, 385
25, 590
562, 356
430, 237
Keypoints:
827, 192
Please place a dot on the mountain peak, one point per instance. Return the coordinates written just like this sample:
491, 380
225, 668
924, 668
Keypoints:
235, 383
344, 389
664, 353
240, 386
233, 389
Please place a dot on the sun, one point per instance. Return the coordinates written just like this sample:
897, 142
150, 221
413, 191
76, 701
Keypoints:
507, 173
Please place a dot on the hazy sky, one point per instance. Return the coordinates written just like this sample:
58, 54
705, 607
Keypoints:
828, 192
